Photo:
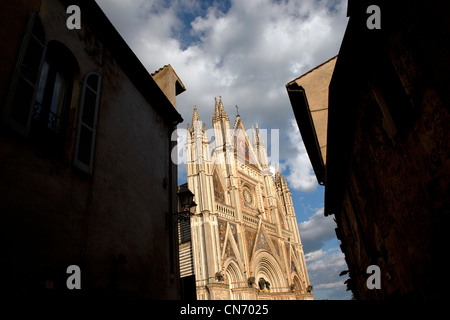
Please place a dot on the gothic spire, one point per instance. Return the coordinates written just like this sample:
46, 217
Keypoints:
219, 111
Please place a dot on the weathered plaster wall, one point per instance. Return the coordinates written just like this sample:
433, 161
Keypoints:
54, 215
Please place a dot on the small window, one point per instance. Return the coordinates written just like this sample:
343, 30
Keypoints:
87, 122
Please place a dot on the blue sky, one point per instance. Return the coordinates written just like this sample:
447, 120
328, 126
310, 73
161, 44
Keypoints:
246, 52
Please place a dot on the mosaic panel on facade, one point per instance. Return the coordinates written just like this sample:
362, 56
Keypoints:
232, 227
218, 189
250, 236
293, 267
222, 232
262, 242
277, 247
229, 252
293, 259
242, 149
282, 218
287, 247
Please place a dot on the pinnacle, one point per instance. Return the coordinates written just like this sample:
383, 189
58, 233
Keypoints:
219, 110
195, 116
216, 110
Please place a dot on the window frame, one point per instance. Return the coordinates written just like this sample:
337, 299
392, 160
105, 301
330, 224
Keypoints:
88, 168
19, 69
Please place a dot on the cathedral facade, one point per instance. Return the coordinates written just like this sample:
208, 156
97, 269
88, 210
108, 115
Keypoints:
244, 241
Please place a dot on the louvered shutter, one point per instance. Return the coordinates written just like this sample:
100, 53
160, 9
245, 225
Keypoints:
87, 122
20, 101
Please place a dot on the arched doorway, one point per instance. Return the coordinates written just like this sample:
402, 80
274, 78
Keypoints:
268, 269
234, 279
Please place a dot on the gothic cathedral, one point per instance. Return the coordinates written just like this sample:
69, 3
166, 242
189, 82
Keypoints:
244, 241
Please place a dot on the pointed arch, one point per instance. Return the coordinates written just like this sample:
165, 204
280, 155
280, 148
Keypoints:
298, 286
233, 277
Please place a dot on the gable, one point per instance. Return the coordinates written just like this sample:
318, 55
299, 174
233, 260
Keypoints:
228, 241
242, 145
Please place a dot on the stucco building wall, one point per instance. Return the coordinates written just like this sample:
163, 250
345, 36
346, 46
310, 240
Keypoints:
115, 222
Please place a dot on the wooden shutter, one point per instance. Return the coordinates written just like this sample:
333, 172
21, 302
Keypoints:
20, 101
87, 122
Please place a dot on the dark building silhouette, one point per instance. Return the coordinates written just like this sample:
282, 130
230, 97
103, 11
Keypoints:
86, 176
388, 148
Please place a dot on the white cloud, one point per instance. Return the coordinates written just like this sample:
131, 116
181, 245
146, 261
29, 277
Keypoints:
326, 261
301, 175
246, 54
324, 268
332, 285
246, 51
314, 255
317, 230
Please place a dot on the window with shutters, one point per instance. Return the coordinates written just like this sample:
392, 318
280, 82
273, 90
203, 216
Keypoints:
49, 114
19, 104
87, 122
41, 89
